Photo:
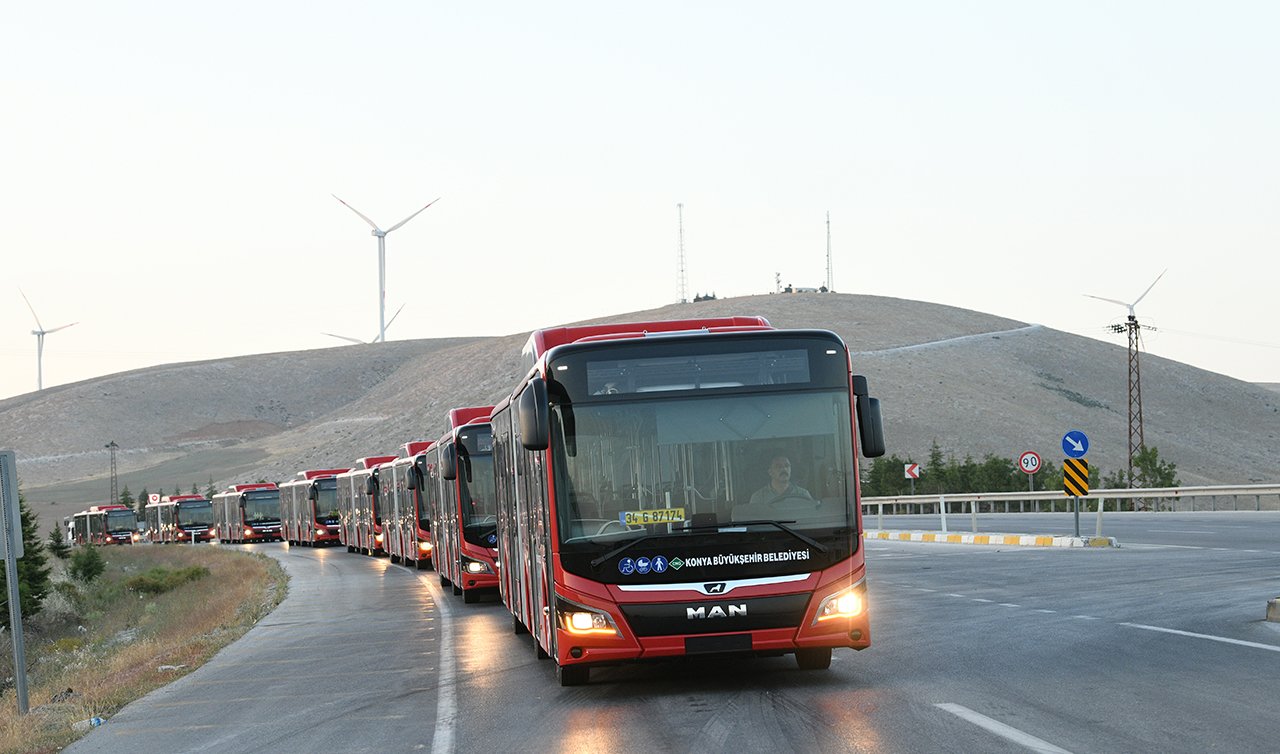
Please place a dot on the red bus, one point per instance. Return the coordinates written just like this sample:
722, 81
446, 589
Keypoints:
247, 513
179, 518
406, 521
309, 508
464, 507
684, 488
105, 525
359, 509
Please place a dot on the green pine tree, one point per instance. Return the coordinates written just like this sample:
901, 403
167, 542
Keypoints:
141, 506
57, 542
125, 497
210, 491
33, 571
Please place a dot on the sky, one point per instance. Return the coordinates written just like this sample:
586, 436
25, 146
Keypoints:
167, 170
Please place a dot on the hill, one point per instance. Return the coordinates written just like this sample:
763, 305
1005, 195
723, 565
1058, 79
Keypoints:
973, 382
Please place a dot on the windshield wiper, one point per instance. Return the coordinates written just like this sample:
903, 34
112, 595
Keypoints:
619, 550
763, 522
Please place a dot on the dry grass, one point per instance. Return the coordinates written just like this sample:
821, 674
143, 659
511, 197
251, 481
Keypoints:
128, 637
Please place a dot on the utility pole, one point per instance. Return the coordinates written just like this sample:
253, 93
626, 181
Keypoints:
829, 287
115, 493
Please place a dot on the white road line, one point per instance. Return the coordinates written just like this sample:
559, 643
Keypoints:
1006, 732
1084, 617
1223, 639
1009, 604
979, 599
443, 741
1042, 610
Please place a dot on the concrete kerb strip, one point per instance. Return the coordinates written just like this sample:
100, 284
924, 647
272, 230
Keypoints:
1273, 610
1016, 540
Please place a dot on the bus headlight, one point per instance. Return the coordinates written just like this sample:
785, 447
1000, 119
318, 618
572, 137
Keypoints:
320, 532
377, 538
846, 603
248, 531
580, 620
470, 565
424, 547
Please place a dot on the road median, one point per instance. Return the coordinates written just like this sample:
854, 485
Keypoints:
1014, 540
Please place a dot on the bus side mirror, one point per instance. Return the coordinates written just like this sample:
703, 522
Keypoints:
449, 462
534, 415
870, 426
313, 492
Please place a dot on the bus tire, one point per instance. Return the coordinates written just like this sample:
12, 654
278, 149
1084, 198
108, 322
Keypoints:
573, 675
517, 627
814, 658
456, 590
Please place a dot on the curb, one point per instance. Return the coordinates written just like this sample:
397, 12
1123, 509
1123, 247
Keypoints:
1018, 540
1273, 610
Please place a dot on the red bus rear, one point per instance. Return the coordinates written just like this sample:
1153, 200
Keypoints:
690, 487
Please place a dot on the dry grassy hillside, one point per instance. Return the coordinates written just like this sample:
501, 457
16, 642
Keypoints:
974, 382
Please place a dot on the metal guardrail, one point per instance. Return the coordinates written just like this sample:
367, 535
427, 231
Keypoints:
1161, 498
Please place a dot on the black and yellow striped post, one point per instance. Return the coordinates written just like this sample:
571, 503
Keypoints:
1075, 482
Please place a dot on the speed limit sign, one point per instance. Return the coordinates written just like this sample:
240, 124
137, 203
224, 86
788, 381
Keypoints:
1029, 462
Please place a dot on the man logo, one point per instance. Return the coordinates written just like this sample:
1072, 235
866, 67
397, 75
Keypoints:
716, 611
716, 588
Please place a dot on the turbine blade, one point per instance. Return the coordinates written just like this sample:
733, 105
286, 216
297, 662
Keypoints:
372, 224
410, 217
1109, 300
343, 337
393, 316
1149, 287
46, 332
33, 310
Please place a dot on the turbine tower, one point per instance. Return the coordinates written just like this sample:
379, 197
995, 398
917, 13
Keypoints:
381, 235
1136, 441
40, 332
681, 279
830, 289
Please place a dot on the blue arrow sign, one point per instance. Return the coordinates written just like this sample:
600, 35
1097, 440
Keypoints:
1075, 444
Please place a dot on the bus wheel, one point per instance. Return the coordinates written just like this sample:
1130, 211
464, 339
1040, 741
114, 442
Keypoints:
456, 590
471, 596
443, 581
572, 675
818, 658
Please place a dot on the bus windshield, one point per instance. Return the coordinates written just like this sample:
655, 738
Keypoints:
261, 506
675, 467
122, 521
327, 501
479, 501
197, 513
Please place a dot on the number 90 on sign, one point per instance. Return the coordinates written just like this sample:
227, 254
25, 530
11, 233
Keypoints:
655, 516
1029, 462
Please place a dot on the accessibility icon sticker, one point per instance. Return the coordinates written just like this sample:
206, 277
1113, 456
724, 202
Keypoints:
626, 566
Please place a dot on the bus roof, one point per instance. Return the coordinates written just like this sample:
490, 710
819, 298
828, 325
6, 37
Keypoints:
105, 508
541, 341
318, 473
248, 487
369, 462
413, 448
181, 498
470, 415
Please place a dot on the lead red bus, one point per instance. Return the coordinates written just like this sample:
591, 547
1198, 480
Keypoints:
643, 510
179, 518
464, 505
105, 525
406, 520
359, 507
247, 513
309, 508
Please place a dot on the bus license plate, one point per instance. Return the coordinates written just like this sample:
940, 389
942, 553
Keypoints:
657, 516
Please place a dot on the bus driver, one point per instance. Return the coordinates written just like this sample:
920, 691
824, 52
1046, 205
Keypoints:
779, 487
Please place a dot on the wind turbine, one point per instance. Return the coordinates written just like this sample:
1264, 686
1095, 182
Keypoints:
381, 235
375, 338
40, 332
1136, 441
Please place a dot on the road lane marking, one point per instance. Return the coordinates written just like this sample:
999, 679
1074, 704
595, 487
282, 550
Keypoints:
442, 741
1223, 639
1009, 604
1007, 732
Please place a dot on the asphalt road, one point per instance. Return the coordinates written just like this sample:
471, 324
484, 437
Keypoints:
1160, 646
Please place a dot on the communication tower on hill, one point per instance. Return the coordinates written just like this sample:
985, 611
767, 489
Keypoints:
829, 287
1131, 326
682, 280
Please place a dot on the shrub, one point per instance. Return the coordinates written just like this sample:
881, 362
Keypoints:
87, 564
159, 580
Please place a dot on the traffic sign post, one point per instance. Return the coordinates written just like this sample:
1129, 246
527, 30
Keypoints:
911, 471
11, 535
1029, 462
1075, 481
1075, 444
